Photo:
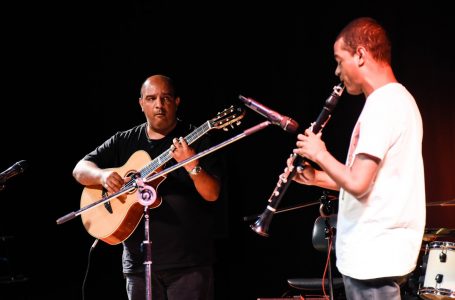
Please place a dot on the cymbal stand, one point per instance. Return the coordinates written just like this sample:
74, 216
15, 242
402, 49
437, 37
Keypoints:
326, 209
282, 210
146, 196
330, 232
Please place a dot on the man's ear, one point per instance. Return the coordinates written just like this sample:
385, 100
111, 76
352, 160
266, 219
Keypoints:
177, 101
361, 55
140, 104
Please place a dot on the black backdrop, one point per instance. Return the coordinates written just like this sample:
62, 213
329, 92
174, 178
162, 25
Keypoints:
71, 78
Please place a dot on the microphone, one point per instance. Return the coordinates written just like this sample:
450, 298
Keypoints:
16, 169
274, 117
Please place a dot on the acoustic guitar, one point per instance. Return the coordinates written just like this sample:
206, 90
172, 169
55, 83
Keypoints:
114, 220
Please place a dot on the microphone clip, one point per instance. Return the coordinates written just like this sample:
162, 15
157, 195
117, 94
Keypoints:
146, 194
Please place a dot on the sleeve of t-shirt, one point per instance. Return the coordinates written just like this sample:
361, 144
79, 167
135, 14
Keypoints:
379, 128
105, 155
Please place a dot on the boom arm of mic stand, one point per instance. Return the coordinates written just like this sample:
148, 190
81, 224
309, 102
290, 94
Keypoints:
245, 133
210, 150
74, 214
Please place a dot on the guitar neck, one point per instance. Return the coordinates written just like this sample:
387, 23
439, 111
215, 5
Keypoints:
166, 156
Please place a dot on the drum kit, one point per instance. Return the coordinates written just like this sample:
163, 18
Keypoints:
436, 278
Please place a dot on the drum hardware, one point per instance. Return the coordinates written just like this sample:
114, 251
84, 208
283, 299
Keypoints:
432, 234
438, 269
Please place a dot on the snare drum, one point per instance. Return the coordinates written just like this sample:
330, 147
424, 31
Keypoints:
439, 283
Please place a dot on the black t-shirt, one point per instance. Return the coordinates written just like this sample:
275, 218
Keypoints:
181, 228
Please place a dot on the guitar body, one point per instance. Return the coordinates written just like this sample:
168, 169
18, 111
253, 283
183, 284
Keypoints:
115, 220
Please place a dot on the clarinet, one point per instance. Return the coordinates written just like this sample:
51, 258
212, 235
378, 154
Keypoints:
261, 225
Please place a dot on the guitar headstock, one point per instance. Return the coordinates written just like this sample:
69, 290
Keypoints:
229, 116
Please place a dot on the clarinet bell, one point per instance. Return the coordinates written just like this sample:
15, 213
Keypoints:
261, 226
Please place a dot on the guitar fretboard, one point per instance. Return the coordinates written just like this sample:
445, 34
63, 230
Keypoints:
166, 156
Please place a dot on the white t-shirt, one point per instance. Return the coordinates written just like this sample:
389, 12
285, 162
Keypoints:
381, 235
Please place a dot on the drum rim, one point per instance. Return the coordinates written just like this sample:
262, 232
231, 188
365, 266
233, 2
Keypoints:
442, 244
435, 291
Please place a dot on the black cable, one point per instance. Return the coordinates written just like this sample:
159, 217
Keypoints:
88, 267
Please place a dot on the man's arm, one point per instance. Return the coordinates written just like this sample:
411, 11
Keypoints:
88, 173
356, 179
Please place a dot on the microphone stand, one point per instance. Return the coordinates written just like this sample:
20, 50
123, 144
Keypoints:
146, 196
152, 177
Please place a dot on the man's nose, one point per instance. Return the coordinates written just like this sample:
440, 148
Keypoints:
160, 101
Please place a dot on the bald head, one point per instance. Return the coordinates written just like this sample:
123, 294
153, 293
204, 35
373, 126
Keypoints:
160, 80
